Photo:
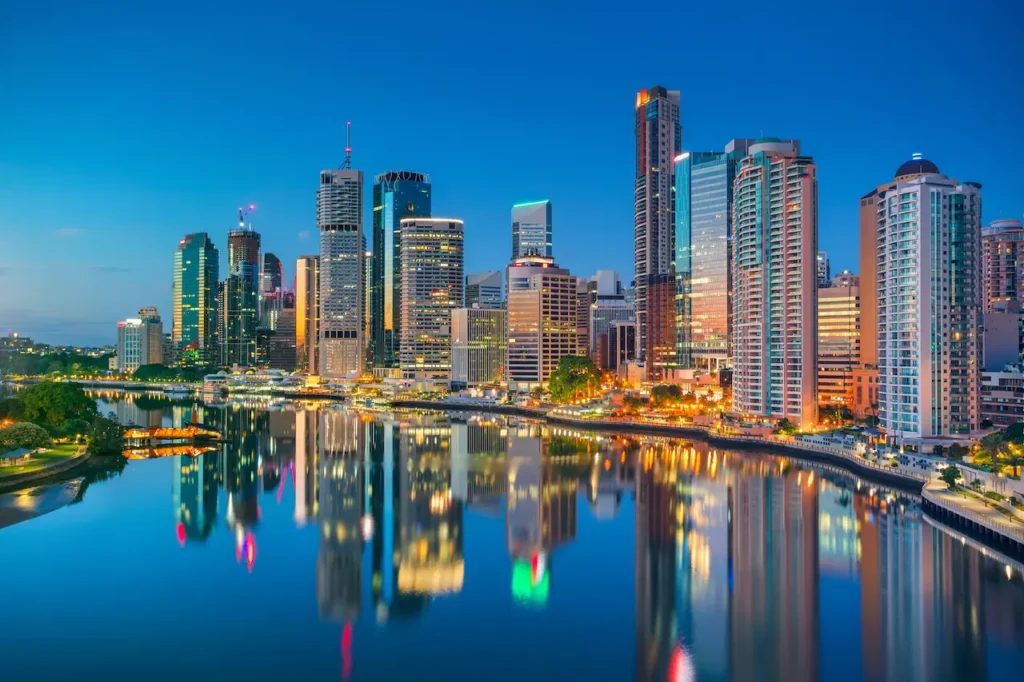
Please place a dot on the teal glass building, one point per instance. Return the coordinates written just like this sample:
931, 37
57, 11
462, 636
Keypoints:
396, 195
703, 238
196, 272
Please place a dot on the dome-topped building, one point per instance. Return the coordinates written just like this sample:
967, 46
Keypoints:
918, 165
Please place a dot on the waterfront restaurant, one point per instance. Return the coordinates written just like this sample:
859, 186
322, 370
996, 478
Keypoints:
15, 457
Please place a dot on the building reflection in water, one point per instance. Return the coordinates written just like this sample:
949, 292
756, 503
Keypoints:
729, 548
540, 514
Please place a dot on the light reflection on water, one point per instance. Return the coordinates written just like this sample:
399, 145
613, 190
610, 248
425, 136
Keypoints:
326, 544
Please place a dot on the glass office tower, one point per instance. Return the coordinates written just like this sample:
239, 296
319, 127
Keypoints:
396, 195
704, 195
196, 272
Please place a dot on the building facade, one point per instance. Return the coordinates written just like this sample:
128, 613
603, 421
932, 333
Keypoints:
621, 345
432, 276
1002, 262
775, 222
703, 255
483, 289
272, 290
396, 195
824, 271
838, 341
1002, 397
196, 277
150, 317
307, 313
479, 344
282, 353
928, 231
339, 215
531, 229
132, 345
659, 139
541, 304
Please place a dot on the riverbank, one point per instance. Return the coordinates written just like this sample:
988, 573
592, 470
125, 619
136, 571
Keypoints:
46, 467
902, 480
985, 520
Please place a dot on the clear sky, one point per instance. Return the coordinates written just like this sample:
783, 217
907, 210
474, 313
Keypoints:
125, 125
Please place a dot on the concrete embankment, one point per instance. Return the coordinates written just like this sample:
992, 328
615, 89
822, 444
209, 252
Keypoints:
974, 516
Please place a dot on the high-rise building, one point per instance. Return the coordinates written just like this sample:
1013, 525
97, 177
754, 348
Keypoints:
869, 290
196, 274
583, 300
150, 317
483, 289
368, 304
621, 345
339, 217
307, 313
661, 325
531, 229
271, 290
1002, 253
283, 353
928, 229
605, 305
432, 276
541, 304
132, 345
824, 271
838, 340
396, 195
775, 235
659, 139
240, 297
703, 255
479, 344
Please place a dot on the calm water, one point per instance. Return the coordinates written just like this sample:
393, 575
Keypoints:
320, 544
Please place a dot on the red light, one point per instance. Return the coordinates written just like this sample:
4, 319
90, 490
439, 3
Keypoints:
180, 532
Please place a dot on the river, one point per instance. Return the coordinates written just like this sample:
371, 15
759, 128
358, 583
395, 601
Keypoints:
318, 543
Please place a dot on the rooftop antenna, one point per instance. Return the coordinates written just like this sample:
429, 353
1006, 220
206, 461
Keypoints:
243, 214
916, 156
348, 146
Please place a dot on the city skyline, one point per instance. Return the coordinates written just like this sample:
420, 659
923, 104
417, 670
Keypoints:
212, 160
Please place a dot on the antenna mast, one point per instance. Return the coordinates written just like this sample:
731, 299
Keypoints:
348, 146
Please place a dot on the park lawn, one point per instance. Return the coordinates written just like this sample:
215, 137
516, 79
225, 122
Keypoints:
42, 459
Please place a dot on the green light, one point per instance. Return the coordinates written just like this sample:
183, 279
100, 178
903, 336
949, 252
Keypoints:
530, 203
523, 589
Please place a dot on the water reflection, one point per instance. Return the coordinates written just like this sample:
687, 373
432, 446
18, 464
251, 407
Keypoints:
745, 566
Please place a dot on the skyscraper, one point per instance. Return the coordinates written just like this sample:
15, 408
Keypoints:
307, 313
531, 229
838, 340
928, 230
339, 217
659, 139
240, 297
368, 304
541, 304
1002, 249
479, 344
396, 195
483, 289
431, 270
271, 290
775, 223
150, 317
132, 345
703, 255
196, 268
824, 271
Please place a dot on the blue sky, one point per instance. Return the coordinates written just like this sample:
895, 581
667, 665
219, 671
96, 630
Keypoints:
124, 126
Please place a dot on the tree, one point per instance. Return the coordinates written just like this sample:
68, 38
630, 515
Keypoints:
956, 452
23, 435
666, 394
106, 436
11, 408
785, 427
576, 376
51, 404
950, 475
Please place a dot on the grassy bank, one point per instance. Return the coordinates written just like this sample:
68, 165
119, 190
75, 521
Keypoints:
41, 460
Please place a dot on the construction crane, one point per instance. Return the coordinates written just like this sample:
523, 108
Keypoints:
243, 214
